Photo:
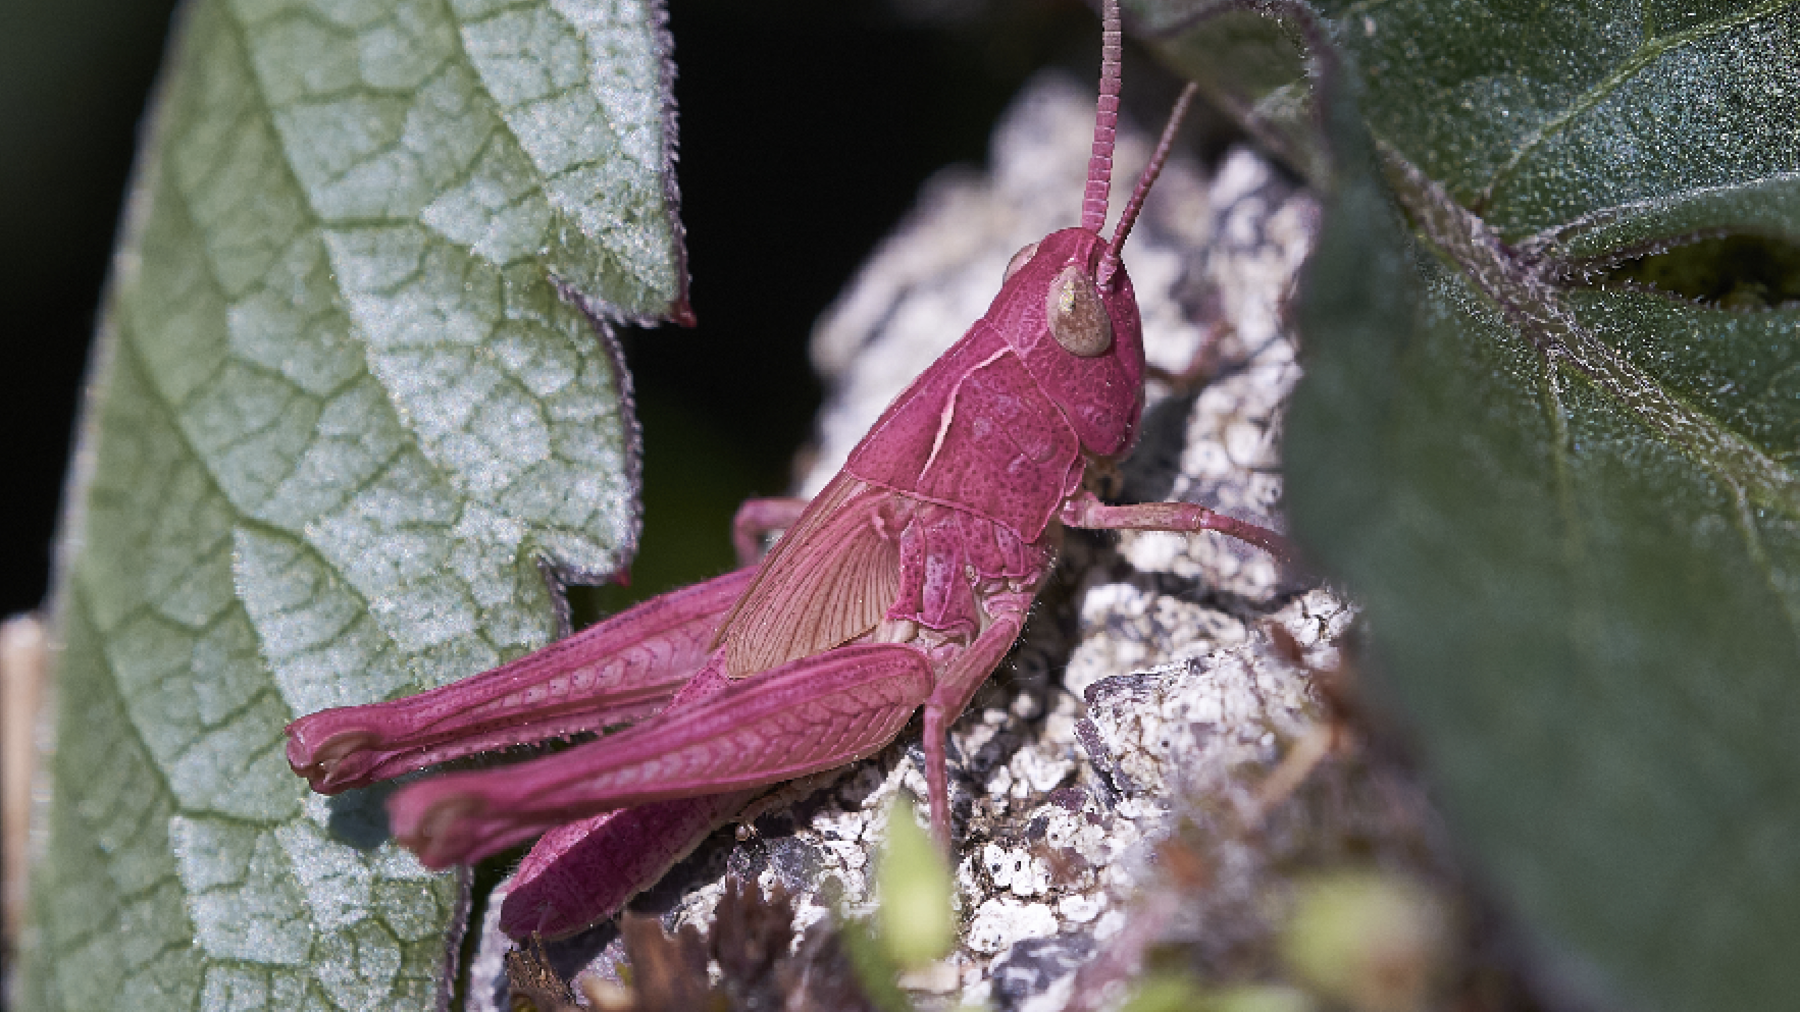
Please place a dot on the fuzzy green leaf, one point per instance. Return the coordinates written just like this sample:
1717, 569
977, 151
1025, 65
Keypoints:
347, 395
1568, 500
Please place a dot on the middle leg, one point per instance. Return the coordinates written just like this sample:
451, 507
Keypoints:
757, 519
957, 682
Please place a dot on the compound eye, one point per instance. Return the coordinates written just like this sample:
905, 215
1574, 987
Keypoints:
1076, 315
1018, 260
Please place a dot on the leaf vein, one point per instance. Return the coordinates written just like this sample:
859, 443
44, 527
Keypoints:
1627, 68
1532, 303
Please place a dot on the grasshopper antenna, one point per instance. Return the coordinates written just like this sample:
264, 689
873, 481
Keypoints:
1109, 262
1106, 121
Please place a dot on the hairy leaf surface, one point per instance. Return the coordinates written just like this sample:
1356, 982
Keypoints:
1550, 439
349, 391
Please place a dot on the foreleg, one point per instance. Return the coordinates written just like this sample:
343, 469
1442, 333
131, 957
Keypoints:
617, 671
1083, 510
806, 716
756, 519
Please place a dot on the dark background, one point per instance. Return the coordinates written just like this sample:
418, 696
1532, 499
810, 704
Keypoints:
806, 128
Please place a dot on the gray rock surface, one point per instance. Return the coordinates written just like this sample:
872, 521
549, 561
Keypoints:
1148, 696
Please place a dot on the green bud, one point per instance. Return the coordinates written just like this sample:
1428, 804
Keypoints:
1375, 942
917, 923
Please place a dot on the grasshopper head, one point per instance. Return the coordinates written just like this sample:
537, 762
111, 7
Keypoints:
1067, 307
1081, 341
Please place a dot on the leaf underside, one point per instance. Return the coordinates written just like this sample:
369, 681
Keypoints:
1549, 435
347, 394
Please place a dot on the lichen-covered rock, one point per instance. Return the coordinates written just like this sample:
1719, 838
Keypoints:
1149, 693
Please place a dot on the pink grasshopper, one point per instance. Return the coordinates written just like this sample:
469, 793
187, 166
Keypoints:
901, 585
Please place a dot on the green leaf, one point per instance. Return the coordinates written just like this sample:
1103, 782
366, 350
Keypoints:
1568, 501
347, 396
1247, 62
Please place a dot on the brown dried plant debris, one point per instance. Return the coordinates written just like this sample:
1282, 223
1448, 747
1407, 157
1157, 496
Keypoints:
751, 944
